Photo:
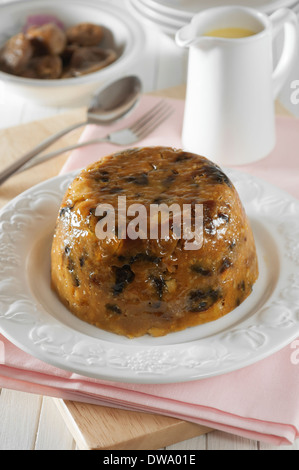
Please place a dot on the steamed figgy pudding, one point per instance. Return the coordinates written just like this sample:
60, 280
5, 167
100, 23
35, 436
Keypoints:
137, 286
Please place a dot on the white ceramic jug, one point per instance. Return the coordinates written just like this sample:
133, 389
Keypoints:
231, 85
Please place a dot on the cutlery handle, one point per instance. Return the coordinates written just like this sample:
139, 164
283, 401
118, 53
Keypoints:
15, 166
55, 153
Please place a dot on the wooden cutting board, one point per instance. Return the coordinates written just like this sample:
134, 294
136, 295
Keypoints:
93, 426
97, 427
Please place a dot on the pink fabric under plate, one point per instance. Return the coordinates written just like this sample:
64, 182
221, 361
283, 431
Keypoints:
260, 401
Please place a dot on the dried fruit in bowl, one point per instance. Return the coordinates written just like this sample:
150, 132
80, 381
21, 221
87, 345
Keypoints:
85, 34
15, 54
45, 49
47, 39
89, 59
45, 67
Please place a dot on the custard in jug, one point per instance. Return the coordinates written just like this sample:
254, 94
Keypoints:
233, 33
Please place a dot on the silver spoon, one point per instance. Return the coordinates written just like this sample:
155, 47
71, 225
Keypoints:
108, 105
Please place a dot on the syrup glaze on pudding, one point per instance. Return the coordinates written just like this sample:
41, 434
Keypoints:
152, 286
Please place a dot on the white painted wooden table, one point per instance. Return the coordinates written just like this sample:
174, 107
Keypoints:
32, 422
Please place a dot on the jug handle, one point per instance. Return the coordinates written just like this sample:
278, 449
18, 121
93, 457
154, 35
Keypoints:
284, 19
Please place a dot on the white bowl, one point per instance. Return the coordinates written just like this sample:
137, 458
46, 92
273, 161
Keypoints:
126, 38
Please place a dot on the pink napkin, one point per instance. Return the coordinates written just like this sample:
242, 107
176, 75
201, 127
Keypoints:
259, 402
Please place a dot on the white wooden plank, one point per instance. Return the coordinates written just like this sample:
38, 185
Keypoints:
33, 112
218, 440
264, 446
52, 433
19, 417
10, 109
172, 63
197, 443
146, 67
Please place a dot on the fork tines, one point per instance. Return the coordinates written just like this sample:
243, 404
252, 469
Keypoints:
152, 119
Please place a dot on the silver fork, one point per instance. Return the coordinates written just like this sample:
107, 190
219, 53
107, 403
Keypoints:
140, 129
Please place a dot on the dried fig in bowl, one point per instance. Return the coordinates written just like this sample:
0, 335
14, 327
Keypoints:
86, 60
85, 34
48, 39
15, 54
47, 67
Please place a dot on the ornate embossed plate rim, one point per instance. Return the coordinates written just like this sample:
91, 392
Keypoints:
31, 328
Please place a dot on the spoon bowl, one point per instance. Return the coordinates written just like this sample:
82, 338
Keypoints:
115, 100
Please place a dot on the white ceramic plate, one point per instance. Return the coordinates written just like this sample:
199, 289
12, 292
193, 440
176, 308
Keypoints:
186, 8
33, 318
157, 16
164, 24
168, 16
